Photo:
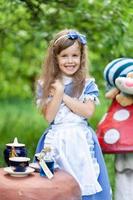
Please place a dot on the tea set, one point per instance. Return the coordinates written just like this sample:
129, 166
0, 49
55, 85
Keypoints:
15, 155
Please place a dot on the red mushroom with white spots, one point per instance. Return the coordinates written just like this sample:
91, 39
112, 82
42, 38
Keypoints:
115, 130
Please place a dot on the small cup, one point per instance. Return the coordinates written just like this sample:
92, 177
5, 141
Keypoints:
50, 165
19, 164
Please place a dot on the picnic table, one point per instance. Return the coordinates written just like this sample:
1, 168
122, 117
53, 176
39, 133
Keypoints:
34, 187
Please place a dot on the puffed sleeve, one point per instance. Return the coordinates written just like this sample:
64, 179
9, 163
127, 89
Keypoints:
91, 91
39, 95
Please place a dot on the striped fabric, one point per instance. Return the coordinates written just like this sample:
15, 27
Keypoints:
116, 68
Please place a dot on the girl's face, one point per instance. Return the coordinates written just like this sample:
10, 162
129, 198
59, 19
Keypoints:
69, 60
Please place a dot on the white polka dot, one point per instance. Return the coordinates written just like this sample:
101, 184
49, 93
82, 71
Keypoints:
111, 136
121, 115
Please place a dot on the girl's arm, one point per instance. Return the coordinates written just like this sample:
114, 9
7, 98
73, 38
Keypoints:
83, 109
51, 109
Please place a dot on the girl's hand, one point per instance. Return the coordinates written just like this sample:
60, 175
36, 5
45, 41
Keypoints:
57, 87
57, 91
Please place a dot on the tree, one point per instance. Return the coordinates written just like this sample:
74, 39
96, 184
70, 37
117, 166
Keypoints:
27, 27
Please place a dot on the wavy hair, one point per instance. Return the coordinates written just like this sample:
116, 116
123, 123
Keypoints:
51, 69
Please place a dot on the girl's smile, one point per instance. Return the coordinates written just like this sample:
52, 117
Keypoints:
69, 59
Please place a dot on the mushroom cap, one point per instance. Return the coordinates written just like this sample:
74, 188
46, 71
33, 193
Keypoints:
115, 130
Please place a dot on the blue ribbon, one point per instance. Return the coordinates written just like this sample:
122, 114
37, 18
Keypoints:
74, 35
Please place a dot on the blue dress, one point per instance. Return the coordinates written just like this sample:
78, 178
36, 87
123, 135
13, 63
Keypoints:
75, 145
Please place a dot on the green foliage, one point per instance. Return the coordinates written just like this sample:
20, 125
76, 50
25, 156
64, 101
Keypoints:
27, 26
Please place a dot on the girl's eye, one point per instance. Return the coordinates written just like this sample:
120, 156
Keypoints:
75, 55
64, 55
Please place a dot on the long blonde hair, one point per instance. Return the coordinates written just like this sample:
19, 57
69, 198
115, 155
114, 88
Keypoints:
51, 69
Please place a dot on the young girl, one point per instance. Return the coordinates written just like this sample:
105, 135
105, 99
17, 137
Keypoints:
67, 99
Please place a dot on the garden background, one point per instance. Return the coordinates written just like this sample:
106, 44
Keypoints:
26, 27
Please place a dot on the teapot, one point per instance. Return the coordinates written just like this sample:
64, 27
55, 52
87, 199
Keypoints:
14, 149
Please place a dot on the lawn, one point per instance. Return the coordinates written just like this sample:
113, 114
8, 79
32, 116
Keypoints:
20, 119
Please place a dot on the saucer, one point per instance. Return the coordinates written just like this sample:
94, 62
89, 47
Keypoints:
28, 171
35, 166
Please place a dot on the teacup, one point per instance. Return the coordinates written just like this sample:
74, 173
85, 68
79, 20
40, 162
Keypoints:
19, 164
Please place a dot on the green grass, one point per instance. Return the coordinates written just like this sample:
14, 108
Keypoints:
21, 119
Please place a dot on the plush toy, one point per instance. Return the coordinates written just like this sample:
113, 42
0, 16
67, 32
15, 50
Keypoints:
115, 129
119, 79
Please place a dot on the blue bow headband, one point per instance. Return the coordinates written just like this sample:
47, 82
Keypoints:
73, 36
